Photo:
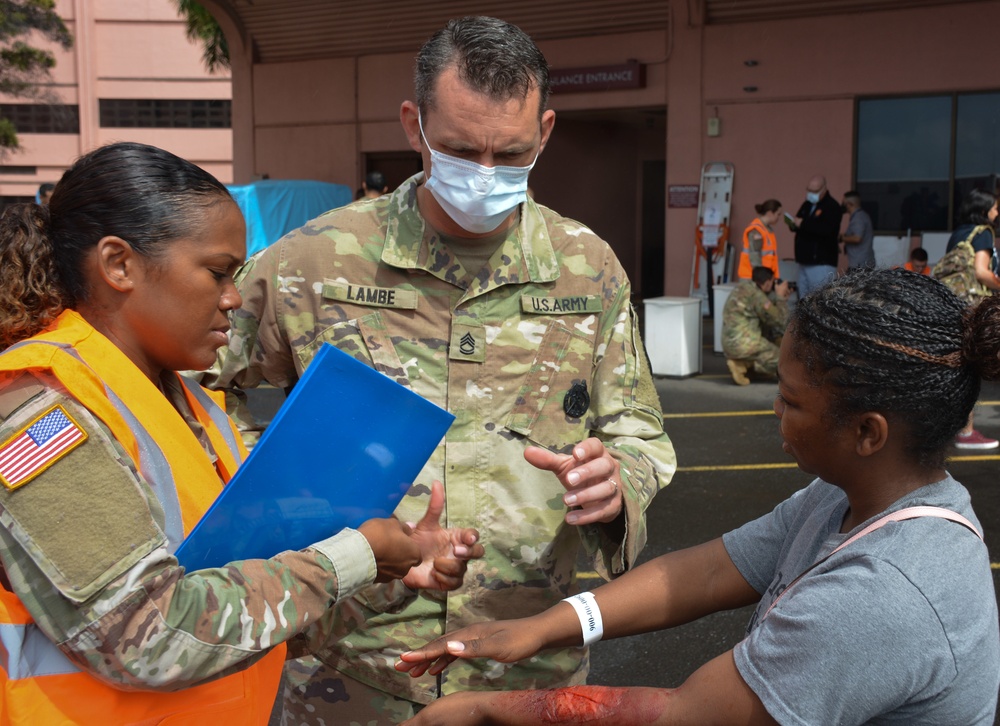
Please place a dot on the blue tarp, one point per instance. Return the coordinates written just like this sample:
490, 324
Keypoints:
273, 207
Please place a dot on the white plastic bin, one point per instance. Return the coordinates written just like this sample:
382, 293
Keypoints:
673, 335
720, 293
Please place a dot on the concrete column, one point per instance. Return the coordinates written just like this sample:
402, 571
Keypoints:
684, 137
241, 67
85, 80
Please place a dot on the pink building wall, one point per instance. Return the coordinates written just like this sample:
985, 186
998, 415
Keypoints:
123, 49
319, 118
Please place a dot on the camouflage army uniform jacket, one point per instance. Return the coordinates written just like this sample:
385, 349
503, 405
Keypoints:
501, 349
751, 319
84, 546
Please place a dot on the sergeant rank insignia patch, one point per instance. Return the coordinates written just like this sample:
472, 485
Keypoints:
38, 446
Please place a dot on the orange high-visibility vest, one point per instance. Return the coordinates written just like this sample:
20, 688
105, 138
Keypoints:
768, 251
40, 685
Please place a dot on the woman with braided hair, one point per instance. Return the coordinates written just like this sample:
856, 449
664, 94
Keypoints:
875, 598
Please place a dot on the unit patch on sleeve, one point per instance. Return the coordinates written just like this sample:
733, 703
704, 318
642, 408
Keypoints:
570, 304
37, 446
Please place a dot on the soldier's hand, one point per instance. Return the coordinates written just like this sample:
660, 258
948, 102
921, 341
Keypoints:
592, 479
394, 549
444, 553
782, 290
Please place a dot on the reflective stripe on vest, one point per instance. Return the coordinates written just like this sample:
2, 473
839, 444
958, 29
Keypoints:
41, 685
768, 252
152, 463
26, 652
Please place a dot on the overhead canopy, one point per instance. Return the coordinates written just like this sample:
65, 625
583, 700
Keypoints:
274, 207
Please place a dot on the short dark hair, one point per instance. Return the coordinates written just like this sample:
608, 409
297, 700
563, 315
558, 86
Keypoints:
770, 205
852, 194
919, 253
975, 207
375, 181
492, 56
902, 344
761, 274
45, 188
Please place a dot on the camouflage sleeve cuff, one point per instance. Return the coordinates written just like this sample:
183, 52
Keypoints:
352, 561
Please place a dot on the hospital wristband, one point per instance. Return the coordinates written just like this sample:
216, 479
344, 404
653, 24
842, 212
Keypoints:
586, 608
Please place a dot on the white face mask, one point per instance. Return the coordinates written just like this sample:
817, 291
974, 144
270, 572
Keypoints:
812, 197
478, 198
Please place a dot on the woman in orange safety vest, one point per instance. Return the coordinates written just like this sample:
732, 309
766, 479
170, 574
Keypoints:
108, 458
760, 246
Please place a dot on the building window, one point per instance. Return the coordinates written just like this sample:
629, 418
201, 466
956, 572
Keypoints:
131, 113
918, 157
31, 118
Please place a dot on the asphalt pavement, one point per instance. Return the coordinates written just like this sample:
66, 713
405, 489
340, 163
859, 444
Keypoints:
731, 468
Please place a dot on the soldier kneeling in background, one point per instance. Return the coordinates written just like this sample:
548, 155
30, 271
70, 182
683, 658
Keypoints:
753, 322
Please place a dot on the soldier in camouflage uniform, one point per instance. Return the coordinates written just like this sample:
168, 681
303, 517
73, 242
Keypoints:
90, 518
515, 319
753, 321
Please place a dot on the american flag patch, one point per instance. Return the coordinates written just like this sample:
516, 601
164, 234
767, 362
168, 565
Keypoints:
38, 446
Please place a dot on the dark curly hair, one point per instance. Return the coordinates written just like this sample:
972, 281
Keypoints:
904, 345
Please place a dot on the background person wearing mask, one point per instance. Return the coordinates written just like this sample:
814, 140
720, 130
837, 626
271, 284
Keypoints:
514, 318
816, 227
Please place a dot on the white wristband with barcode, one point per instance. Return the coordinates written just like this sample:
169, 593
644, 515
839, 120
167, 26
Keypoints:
586, 608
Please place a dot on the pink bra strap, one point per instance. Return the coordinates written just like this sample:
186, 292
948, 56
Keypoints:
897, 516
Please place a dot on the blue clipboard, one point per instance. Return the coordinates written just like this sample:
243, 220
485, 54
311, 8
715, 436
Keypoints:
343, 448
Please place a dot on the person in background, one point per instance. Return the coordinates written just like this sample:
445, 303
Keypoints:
760, 244
816, 228
873, 589
374, 185
108, 458
859, 237
753, 321
513, 317
969, 268
918, 262
45, 192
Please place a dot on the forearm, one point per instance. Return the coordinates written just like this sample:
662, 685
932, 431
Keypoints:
984, 273
157, 628
684, 585
715, 695
590, 705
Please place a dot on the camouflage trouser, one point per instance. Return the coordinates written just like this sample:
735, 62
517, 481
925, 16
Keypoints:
765, 359
762, 352
317, 695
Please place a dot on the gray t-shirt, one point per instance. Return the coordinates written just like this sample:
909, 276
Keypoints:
860, 254
899, 627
